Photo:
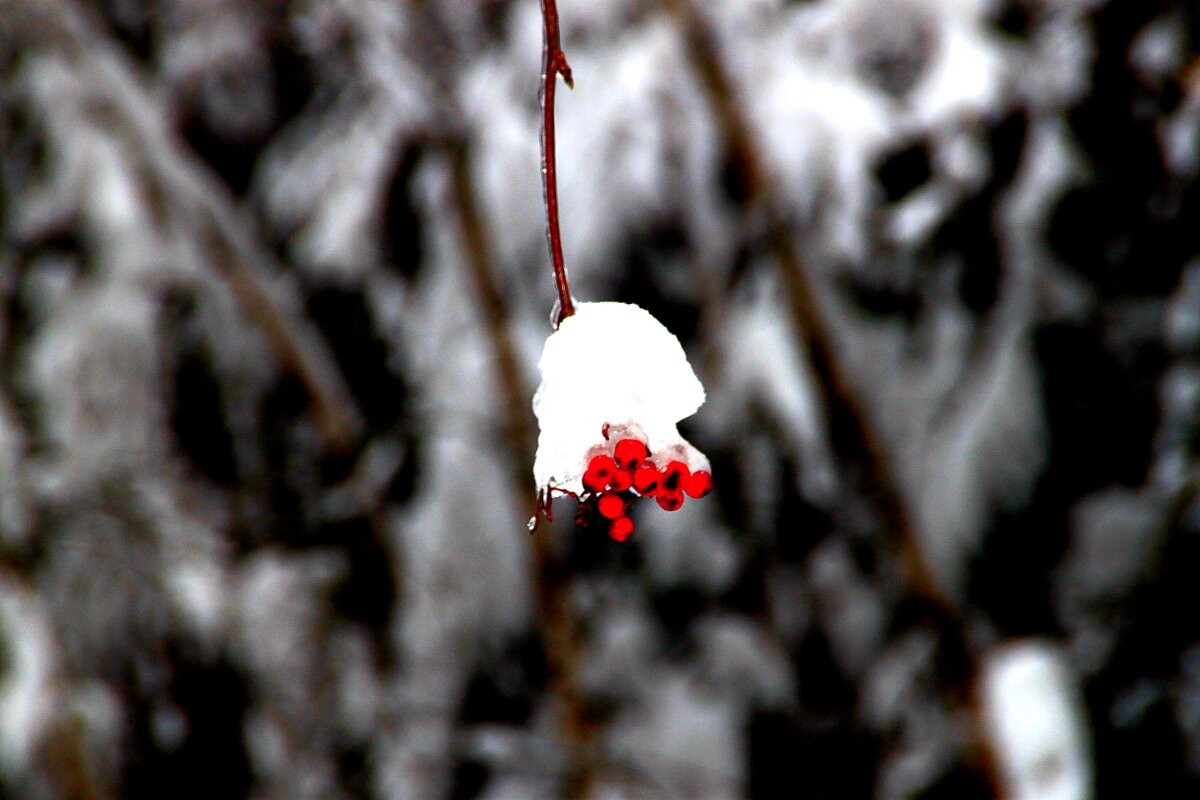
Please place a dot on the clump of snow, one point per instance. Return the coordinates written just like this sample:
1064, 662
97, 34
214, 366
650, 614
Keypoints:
609, 372
1035, 724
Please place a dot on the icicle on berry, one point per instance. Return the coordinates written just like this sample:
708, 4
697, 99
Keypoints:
669, 500
674, 476
698, 484
621, 528
610, 506
599, 472
646, 480
630, 453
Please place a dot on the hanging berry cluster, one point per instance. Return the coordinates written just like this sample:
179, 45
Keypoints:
628, 473
607, 448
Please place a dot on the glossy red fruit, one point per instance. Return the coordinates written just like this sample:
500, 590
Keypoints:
599, 472
630, 453
674, 475
602, 464
646, 480
621, 528
611, 506
621, 480
698, 484
595, 481
670, 501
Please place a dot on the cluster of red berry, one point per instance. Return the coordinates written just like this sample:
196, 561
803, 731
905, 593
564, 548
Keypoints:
630, 468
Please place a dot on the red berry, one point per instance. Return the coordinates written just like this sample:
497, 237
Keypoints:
621, 528
674, 475
698, 484
630, 453
670, 501
620, 481
602, 465
599, 473
646, 480
611, 506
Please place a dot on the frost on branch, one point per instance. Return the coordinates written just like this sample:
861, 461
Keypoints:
594, 409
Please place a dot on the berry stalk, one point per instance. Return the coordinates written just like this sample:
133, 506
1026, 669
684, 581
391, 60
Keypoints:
554, 63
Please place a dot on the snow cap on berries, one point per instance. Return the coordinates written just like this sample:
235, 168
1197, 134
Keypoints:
613, 369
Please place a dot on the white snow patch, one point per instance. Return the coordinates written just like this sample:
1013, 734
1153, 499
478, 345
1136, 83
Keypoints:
763, 363
200, 595
463, 567
26, 684
619, 662
94, 368
636, 149
1034, 721
686, 736
819, 132
687, 546
614, 365
849, 607
965, 79
742, 663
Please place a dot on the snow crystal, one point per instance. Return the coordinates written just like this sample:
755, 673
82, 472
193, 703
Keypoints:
613, 368
1036, 728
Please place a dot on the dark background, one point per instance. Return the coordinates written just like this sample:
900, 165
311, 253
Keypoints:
273, 286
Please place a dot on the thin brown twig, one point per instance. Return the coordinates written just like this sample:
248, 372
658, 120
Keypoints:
848, 412
808, 317
554, 63
235, 254
292, 338
814, 332
554, 616
553, 608
554, 604
518, 431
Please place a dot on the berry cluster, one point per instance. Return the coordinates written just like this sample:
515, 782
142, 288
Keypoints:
616, 479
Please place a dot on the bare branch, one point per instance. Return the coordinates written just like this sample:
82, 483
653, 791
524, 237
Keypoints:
554, 615
233, 249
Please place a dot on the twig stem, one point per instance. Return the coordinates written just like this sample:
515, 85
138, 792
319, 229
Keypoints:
555, 616
812, 328
554, 63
